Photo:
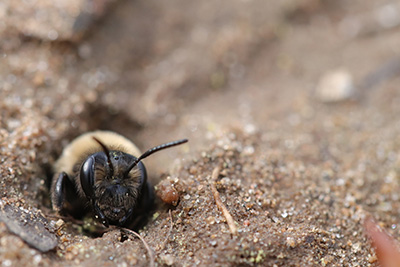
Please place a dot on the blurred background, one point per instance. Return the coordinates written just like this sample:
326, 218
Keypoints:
157, 71
315, 80
179, 68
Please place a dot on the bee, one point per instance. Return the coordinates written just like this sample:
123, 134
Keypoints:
101, 172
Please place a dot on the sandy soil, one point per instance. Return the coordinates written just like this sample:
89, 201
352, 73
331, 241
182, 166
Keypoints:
238, 78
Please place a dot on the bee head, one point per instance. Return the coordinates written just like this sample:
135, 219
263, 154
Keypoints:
112, 182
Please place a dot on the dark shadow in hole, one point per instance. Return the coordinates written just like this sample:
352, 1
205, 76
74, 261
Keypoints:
101, 117
94, 117
124, 237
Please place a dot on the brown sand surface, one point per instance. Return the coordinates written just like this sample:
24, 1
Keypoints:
299, 168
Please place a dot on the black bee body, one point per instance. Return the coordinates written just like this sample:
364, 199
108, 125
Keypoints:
101, 172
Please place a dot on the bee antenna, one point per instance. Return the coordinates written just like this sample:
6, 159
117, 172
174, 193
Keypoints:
153, 150
105, 149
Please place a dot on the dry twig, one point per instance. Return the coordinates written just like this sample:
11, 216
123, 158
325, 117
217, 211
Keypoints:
218, 201
169, 233
149, 250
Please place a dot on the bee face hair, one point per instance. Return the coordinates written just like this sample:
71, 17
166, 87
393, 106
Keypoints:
110, 186
113, 182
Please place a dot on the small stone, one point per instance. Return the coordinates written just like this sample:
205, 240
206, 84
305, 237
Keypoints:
63, 20
168, 259
167, 192
388, 16
326, 260
335, 86
290, 242
248, 150
29, 226
59, 223
356, 247
284, 214
193, 170
372, 259
210, 220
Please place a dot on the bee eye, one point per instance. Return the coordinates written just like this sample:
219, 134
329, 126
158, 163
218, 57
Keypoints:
87, 176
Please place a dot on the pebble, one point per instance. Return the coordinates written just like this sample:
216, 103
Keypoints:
168, 259
290, 242
335, 86
63, 20
388, 16
166, 191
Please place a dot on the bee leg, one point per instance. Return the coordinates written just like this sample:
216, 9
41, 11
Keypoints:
127, 215
59, 188
100, 214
